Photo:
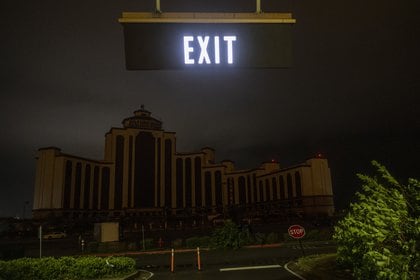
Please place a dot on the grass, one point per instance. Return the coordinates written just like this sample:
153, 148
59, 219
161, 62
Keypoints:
320, 267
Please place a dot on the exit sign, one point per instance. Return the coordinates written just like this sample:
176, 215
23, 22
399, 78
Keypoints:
207, 40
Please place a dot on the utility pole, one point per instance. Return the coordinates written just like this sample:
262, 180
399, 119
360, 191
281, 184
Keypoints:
142, 232
40, 241
24, 209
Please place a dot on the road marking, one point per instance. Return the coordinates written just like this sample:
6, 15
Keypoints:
146, 277
292, 272
250, 267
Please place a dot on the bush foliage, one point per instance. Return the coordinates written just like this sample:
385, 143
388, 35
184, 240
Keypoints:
377, 238
66, 268
230, 236
194, 242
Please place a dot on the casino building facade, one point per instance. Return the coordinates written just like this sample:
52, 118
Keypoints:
143, 175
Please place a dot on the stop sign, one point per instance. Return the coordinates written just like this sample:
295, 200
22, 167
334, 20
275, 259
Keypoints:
296, 231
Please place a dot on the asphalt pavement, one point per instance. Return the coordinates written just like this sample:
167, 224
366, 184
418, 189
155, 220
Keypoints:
246, 263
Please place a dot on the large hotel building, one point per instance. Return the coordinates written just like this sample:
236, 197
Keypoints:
143, 175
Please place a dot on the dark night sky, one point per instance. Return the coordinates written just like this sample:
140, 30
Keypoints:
352, 93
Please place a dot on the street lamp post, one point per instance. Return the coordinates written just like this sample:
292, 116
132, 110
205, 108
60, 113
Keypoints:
24, 209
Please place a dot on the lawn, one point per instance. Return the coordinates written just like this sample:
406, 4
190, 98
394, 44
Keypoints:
320, 267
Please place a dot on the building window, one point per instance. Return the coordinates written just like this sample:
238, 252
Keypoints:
249, 188
86, 193
78, 186
144, 176
218, 184
168, 172
95, 195
119, 171
188, 183
67, 185
274, 186
267, 190
159, 169
207, 186
242, 190
105, 188
254, 188
289, 187
231, 191
130, 172
197, 167
282, 190
179, 183
298, 188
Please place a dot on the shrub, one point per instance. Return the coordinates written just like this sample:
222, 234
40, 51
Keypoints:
116, 247
65, 268
272, 237
92, 246
148, 243
287, 237
377, 238
131, 246
205, 241
318, 235
194, 242
230, 236
260, 238
109, 247
177, 243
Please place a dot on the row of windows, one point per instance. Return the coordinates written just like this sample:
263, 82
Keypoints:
188, 184
87, 187
273, 188
143, 187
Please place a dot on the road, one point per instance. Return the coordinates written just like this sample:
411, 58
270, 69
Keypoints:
213, 262
247, 263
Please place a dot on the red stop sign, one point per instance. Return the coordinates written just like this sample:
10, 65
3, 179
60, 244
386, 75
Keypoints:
296, 231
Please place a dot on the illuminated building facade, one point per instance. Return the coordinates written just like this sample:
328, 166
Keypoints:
142, 174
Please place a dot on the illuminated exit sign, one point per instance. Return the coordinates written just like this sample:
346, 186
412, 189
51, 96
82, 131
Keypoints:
207, 40
203, 42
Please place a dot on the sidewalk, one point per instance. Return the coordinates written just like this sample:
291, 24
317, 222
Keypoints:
168, 251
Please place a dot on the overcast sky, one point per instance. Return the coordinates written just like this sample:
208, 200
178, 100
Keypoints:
352, 93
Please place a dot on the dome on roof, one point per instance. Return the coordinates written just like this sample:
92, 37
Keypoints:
142, 119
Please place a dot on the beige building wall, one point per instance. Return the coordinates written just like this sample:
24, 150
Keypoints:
49, 193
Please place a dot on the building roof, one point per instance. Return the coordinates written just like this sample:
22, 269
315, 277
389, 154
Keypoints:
142, 119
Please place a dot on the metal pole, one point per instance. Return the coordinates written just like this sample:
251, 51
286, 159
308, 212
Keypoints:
142, 231
198, 259
258, 9
40, 241
301, 247
158, 6
172, 260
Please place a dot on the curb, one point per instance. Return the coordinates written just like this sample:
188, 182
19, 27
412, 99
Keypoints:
274, 245
160, 252
134, 275
292, 272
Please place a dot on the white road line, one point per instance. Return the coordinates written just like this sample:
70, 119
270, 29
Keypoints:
249, 267
147, 277
294, 273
